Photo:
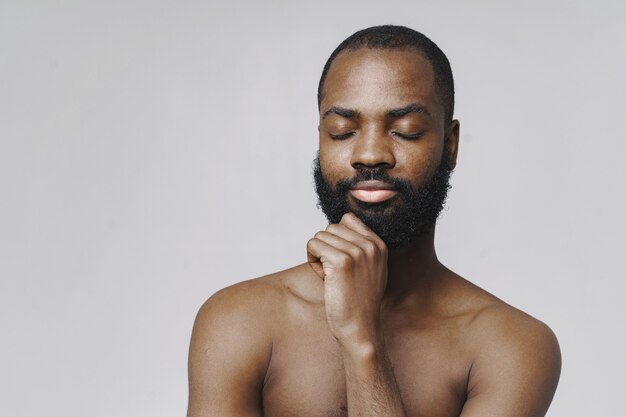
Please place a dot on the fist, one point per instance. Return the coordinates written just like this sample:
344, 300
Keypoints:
352, 261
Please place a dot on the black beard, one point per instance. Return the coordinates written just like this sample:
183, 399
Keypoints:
398, 221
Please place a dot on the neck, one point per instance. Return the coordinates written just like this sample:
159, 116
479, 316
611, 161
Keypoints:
412, 270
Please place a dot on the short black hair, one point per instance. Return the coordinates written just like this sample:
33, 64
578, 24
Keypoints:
398, 37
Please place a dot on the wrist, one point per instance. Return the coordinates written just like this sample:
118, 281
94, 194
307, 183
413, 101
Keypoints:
362, 348
363, 359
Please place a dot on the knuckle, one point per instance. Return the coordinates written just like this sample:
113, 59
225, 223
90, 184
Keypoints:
356, 252
347, 216
380, 244
344, 260
332, 228
370, 248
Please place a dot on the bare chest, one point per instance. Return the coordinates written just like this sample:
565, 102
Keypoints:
306, 375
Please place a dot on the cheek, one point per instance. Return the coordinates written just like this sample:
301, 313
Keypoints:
420, 161
335, 160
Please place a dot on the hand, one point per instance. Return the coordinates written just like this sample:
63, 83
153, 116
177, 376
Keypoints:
352, 261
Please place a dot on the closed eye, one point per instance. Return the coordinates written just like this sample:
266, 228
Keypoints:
341, 136
409, 136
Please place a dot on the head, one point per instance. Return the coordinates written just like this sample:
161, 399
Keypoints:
400, 37
387, 139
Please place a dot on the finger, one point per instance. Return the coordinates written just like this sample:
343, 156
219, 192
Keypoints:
352, 222
348, 241
340, 238
314, 262
316, 266
320, 253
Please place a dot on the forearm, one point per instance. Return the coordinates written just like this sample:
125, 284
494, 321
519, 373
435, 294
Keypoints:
371, 384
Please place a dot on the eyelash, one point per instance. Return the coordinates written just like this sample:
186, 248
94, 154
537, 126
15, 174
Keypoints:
409, 137
400, 135
342, 136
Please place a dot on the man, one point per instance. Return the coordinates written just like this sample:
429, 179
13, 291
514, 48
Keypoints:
373, 324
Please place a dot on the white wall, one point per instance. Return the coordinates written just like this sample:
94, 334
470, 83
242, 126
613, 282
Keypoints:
153, 152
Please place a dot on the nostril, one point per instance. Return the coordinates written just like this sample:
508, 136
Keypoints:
372, 167
373, 158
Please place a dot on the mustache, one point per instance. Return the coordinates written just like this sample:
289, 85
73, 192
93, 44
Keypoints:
378, 174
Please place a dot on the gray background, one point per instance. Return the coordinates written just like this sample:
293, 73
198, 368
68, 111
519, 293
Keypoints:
152, 152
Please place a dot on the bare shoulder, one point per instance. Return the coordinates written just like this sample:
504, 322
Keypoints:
252, 307
501, 327
493, 323
516, 359
247, 308
231, 347
243, 298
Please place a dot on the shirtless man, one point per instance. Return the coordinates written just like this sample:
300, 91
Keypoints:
373, 324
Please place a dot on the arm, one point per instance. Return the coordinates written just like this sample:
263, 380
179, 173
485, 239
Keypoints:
516, 370
352, 261
228, 356
371, 385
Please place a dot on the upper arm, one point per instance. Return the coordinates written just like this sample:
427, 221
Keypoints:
516, 371
228, 356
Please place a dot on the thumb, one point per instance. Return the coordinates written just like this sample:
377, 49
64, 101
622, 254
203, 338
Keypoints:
316, 265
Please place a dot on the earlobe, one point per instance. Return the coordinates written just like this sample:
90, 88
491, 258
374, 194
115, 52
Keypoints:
452, 143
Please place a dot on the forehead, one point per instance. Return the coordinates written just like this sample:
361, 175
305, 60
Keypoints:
377, 79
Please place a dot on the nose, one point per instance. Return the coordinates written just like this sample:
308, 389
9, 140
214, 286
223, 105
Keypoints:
373, 149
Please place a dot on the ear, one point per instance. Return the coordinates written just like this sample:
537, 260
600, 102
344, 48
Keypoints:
451, 142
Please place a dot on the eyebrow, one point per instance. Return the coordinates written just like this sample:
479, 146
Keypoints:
341, 111
399, 112
411, 108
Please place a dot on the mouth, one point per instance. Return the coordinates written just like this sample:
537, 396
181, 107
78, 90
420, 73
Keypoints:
373, 191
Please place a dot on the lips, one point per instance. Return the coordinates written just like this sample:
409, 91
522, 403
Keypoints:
373, 191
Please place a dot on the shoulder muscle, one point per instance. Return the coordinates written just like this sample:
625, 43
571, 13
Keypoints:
516, 368
230, 351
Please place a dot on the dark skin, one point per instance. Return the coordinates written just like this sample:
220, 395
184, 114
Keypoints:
359, 330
